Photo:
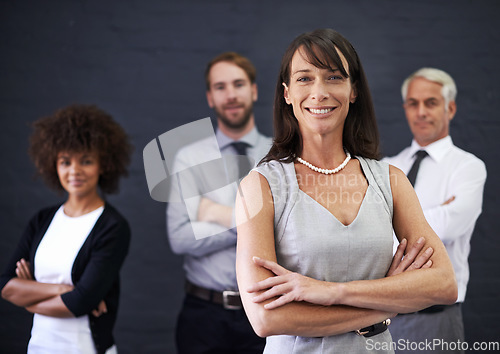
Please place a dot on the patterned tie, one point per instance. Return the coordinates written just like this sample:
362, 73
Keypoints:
412, 175
243, 163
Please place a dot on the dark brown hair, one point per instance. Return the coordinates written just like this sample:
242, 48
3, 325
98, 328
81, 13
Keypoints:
360, 136
235, 58
75, 129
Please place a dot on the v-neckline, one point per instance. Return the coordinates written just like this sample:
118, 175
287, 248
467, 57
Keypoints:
323, 207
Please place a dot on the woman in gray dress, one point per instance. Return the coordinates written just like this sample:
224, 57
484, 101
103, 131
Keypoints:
315, 226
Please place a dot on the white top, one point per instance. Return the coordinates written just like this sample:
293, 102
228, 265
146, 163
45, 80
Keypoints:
54, 260
448, 171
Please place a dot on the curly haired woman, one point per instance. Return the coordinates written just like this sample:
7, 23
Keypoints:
65, 269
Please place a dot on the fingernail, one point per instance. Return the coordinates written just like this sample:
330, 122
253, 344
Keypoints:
420, 240
429, 250
255, 258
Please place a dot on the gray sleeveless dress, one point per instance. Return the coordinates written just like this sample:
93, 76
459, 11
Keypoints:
309, 240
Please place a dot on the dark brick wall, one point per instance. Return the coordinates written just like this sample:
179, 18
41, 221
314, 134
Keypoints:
143, 61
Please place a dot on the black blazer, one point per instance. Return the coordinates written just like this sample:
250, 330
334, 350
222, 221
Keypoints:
95, 272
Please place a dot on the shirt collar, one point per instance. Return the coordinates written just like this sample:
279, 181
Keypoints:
250, 138
436, 150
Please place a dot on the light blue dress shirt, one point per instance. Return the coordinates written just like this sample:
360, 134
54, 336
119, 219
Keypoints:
209, 259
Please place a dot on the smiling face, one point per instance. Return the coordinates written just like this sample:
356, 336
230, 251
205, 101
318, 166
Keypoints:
426, 111
320, 97
78, 172
231, 95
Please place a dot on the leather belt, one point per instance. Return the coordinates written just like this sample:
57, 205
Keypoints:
431, 309
229, 299
373, 330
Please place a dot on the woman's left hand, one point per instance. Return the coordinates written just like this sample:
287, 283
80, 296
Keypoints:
288, 286
412, 260
101, 308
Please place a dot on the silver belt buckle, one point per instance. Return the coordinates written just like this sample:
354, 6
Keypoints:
226, 294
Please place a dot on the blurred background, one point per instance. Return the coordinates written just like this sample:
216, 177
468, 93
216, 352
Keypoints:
144, 62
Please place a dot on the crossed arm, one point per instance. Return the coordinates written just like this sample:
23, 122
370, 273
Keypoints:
282, 302
459, 212
191, 220
181, 230
41, 298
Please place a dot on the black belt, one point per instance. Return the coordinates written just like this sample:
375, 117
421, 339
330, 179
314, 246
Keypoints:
431, 309
373, 330
229, 299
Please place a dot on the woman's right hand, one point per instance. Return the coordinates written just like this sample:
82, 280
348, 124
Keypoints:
23, 270
287, 286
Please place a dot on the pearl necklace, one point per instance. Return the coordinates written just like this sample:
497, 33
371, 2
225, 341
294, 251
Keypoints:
323, 170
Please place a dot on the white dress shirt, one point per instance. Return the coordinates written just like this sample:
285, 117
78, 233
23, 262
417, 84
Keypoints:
448, 172
209, 249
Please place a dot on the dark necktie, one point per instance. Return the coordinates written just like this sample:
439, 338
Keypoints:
243, 163
412, 175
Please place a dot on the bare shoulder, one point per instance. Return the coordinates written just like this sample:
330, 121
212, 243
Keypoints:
399, 181
394, 171
403, 195
254, 182
254, 198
